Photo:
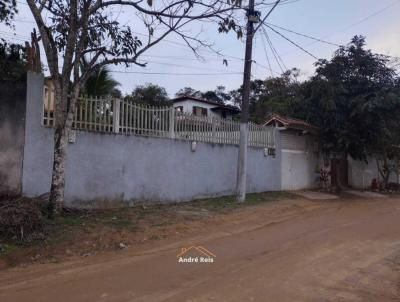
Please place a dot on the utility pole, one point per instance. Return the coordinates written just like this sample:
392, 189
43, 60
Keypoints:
252, 17
244, 117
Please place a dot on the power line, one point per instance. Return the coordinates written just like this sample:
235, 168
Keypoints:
216, 52
360, 21
24, 21
185, 66
368, 17
9, 33
267, 15
178, 74
266, 55
274, 51
344, 29
304, 35
263, 5
294, 43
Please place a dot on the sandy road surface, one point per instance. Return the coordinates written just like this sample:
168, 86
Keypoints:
342, 250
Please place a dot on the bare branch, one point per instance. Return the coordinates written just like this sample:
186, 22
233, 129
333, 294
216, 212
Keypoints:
47, 39
212, 11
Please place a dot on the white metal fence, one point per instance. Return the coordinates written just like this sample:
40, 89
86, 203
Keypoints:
119, 116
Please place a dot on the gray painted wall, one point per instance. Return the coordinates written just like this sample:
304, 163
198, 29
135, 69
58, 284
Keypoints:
361, 173
104, 168
12, 126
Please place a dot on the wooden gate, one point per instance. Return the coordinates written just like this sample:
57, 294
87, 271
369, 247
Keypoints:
339, 172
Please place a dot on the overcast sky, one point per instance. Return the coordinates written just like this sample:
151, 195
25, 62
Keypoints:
332, 20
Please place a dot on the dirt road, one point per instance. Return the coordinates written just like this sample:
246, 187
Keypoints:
342, 250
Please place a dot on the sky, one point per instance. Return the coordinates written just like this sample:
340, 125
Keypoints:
336, 21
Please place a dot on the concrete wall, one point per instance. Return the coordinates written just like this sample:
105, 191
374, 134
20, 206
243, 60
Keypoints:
361, 173
12, 126
103, 168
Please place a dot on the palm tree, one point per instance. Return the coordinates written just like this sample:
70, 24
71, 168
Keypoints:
101, 83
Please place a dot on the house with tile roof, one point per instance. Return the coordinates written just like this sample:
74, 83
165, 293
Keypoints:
203, 107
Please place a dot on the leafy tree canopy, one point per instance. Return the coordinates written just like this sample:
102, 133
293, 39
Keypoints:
8, 9
273, 95
149, 94
219, 95
188, 91
350, 97
12, 62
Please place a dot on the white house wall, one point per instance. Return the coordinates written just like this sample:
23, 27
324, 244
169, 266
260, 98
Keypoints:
189, 104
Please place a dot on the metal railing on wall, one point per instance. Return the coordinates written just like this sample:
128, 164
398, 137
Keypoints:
113, 115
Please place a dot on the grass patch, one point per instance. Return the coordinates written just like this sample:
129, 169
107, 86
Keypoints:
116, 218
120, 223
229, 202
71, 220
79, 231
7, 249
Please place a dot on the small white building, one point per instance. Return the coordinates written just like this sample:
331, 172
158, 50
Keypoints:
300, 157
200, 107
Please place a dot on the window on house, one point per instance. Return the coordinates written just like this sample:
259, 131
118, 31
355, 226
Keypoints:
179, 109
199, 111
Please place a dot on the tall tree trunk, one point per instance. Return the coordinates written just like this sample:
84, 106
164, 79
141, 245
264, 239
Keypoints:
63, 125
58, 174
384, 170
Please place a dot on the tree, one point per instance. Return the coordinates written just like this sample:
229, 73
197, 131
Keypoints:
218, 95
355, 101
86, 29
381, 114
188, 91
273, 95
101, 83
12, 62
341, 88
149, 94
8, 9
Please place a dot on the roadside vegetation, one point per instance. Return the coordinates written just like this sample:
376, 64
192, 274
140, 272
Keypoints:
27, 235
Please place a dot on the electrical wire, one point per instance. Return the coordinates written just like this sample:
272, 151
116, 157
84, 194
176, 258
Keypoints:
266, 55
304, 35
185, 66
367, 17
266, 16
294, 43
178, 74
274, 52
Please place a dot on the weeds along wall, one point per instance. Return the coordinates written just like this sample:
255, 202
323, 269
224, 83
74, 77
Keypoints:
106, 169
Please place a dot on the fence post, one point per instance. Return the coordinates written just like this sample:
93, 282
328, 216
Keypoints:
214, 130
172, 122
116, 115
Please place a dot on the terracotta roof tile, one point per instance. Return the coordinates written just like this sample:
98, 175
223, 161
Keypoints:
290, 122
